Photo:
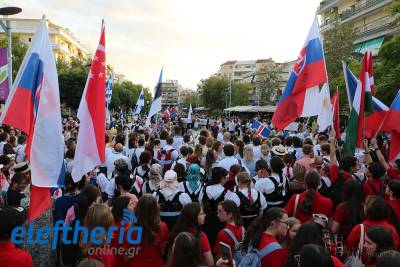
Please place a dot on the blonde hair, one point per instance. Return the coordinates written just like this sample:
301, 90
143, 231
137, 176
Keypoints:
299, 172
248, 154
97, 215
88, 262
292, 221
244, 178
264, 149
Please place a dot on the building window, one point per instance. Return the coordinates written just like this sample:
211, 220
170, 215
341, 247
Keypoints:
29, 39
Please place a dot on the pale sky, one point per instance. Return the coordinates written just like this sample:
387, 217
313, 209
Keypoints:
190, 38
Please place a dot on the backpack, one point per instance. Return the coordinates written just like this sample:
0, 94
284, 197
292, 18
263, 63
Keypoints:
134, 161
280, 192
237, 250
164, 158
253, 256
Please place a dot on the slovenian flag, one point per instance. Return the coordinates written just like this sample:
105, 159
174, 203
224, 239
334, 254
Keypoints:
34, 108
90, 147
298, 98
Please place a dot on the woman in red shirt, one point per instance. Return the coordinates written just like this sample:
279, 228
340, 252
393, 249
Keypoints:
154, 234
265, 231
186, 251
228, 213
378, 239
309, 202
393, 191
191, 220
376, 211
350, 212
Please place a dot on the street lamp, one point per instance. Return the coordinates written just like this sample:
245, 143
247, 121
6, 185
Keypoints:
7, 11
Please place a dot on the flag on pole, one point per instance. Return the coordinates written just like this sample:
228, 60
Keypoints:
139, 103
335, 105
90, 147
355, 126
156, 104
325, 116
34, 108
190, 112
371, 74
366, 81
179, 104
302, 89
109, 84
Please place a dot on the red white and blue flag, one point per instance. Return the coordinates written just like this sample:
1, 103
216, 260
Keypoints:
34, 108
90, 147
298, 98
261, 129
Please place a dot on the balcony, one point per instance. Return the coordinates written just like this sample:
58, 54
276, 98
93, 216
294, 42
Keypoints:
325, 5
328, 25
362, 9
376, 29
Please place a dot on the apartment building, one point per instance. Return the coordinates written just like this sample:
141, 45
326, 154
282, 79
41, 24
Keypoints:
65, 45
371, 20
169, 93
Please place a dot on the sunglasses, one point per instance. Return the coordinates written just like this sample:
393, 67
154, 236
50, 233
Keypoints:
319, 216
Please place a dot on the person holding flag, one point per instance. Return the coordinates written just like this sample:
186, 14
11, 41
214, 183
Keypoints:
156, 104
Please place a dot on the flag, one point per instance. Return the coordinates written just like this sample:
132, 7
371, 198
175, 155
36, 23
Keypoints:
179, 104
90, 147
139, 103
355, 125
261, 130
366, 82
372, 121
335, 105
302, 88
325, 116
109, 84
34, 108
190, 112
121, 115
371, 73
156, 104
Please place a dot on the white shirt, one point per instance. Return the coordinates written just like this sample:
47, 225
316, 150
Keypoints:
231, 126
178, 141
20, 153
103, 182
254, 194
257, 152
181, 161
266, 186
183, 198
2, 147
227, 162
110, 162
214, 191
181, 187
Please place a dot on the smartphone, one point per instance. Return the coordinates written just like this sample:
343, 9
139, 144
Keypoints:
226, 253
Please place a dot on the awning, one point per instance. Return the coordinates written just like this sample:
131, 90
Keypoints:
372, 45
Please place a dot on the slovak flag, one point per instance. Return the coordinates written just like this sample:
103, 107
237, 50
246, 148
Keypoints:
298, 98
90, 147
261, 130
34, 108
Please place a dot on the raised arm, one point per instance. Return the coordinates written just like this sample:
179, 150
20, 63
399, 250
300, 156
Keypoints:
379, 154
367, 157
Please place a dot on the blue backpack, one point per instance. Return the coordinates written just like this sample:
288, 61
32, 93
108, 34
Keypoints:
237, 250
254, 256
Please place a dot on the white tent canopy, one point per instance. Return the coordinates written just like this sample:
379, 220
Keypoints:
253, 109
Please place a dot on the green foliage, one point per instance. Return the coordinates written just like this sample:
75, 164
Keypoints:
394, 11
126, 94
241, 93
215, 91
18, 50
268, 84
387, 71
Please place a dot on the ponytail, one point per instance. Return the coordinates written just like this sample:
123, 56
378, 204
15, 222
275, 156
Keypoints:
244, 178
312, 181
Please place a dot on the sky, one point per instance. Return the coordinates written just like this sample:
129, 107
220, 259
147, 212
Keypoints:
189, 38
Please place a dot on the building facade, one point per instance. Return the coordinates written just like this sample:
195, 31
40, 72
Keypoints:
65, 45
169, 93
370, 19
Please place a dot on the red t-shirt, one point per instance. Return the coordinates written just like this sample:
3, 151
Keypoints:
120, 259
354, 237
337, 262
373, 187
276, 258
12, 256
320, 204
342, 216
225, 238
334, 173
204, 243
106, 257
151, 255
393, 174
395, 204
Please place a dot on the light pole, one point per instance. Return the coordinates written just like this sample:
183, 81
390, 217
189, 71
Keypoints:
7, 11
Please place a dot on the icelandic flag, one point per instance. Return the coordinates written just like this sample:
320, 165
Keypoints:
156, 104
139, 103
90, 147
34, 108
372, 121
261, 130
298, 98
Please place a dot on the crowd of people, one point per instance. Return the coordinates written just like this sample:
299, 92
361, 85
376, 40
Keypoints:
292, 199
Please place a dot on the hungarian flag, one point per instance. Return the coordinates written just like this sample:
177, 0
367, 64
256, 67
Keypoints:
362, 103
336, 122
90, 147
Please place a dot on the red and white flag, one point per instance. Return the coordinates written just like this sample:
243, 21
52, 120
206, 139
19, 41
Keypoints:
90, 147
336, 122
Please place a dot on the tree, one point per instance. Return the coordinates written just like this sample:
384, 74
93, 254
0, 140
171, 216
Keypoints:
394, 11
241, 94
18, 51
214, 92
268, 84
338, 46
